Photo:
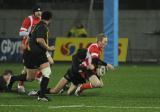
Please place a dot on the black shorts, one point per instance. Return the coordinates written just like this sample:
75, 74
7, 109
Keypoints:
88, 73
34, 60
76, 79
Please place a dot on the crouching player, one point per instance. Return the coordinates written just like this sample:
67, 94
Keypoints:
72, 75
94, 50
7, 80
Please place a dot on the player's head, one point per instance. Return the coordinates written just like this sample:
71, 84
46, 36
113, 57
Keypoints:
102, 40
47, 16
37, 11
7, 74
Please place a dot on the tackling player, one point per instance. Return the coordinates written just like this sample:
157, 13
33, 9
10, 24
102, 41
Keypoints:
94, 50
72, 75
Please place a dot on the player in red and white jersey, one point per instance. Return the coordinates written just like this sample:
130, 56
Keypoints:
27, 26
91, 62
24, 32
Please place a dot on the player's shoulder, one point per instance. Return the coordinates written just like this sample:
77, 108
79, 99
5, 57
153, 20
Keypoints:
93, 45
26, 19
29, 18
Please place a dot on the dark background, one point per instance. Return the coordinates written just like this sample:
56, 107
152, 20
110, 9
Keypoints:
80, 4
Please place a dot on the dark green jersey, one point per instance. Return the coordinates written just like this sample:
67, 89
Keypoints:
39, 31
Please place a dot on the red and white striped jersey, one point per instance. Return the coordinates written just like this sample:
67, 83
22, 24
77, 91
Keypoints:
28, 24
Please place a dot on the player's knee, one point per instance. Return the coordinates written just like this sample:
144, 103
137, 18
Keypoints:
46, 72
97, 84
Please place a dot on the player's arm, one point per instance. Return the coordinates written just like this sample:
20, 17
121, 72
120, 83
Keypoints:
41, 33
23, 32
95, 58
97, 61
41, 41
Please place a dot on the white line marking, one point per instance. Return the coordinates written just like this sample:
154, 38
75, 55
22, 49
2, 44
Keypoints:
67, 106
111, 107
3, 105
82, 106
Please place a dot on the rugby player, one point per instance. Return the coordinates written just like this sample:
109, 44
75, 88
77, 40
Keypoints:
27, 26
94, 50
7, 80
36, 57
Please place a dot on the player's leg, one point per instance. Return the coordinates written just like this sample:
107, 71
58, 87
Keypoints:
46, 71
57, 89
71, 89
76, 79
38, 75
20, 86
26, 62
94, 82
31, 74
62, 82
60, 85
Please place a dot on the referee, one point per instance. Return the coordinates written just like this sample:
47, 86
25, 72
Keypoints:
37, 59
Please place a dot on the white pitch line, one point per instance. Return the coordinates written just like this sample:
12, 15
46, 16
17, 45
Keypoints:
111, 107
3, 105
82, 106
67, 106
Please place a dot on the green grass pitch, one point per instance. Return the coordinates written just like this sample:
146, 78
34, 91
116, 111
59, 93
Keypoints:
129, 88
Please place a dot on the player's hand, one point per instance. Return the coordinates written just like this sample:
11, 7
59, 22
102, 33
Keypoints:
110, 67
51, 48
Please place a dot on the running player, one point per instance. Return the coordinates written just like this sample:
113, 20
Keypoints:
38, 46
25, 31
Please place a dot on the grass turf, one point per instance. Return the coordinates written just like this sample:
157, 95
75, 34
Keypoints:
129, 88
